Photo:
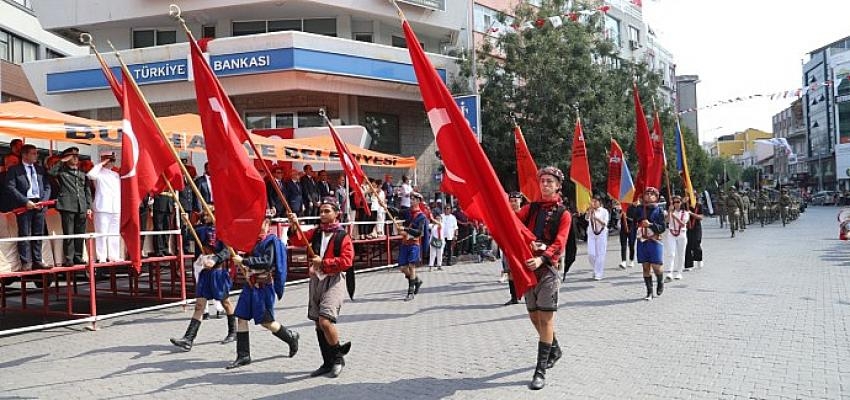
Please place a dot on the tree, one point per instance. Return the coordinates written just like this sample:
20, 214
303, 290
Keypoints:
540, 75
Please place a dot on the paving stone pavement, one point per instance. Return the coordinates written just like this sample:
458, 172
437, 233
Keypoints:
767, 318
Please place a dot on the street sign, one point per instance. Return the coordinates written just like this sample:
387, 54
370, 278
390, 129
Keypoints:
470, 106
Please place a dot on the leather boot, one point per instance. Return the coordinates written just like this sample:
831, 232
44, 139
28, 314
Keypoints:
660, 288
327, 357
417, 283
648, 281
188, 338
410, 289
539, 380
554, 354
231, 330
512, 289
243, 350
290, 337
337, 353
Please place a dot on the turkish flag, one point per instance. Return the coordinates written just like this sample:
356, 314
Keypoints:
131, 169
239, 190
659, 157
643, 144
468, 173
526, 169
355, 175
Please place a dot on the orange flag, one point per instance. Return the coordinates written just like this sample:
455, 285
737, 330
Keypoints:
526, 169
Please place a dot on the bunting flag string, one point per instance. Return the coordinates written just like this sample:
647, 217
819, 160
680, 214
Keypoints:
797, 92
555, 20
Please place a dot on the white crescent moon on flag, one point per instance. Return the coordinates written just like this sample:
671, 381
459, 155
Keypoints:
438, 117
129, 134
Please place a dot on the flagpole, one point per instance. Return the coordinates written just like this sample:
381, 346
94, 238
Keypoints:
372, 189
663, 155
162, 136
183, 212
175, 12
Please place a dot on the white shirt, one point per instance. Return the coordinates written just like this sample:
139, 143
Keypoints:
676, 228
406, 190
107, 184
594, 226
209, 185
449, 226
326, 238
31, 172
436, 231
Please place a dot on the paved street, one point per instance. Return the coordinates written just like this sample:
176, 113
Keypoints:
767, 318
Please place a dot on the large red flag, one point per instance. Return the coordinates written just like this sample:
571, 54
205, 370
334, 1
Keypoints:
526, 169
131, 169
580, 170
659, 158
468, 173
238, 189
356, 176
643, 144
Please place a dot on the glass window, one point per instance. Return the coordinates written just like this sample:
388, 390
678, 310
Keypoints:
258, 120
248, 28
384, 130
321, 26
487, 21
634, 34
284, 120
363, 37
285, 25
54, 54
146, 38
399, 41
166, 37
24, 3
612, 30
5, 47
310, 119
208, 31
29, 50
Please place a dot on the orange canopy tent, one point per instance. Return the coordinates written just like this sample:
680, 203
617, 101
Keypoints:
27, 120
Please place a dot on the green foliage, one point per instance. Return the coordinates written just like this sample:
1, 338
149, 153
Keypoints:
539, 75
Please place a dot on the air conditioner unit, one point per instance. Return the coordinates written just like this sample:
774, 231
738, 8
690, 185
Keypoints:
634, 44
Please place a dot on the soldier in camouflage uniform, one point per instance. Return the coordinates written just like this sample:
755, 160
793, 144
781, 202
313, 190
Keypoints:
721, 207
745, 209
733, 207
762, 203
785, 203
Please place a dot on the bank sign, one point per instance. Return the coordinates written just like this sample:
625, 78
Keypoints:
255, 62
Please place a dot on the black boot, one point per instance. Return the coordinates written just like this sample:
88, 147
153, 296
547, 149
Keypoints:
188, 338
410, 289
231, 330
243, 350
417, 283
648, 281
660, 288
290, 337
327, 357
539, 379
512, 289
555, 354
337, 352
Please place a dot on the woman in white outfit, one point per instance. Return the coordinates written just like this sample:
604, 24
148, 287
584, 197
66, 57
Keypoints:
438, 243
378, 209
597, 236
676, 239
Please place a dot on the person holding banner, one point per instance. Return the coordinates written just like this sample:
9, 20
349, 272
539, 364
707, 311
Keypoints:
550, 222
650, 249
265, 270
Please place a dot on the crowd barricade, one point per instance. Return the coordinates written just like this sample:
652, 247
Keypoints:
370, 255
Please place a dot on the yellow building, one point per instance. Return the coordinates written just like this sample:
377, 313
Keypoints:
737, 144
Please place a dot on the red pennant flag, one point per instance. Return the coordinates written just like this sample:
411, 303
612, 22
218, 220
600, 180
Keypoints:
468, 174
356, 176
643, 144
526, 169
659, 158
580, 170
237, 187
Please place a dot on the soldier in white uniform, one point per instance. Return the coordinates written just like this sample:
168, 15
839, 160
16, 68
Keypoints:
106, 207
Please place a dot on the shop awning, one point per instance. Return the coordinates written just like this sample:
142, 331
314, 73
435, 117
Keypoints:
27, 120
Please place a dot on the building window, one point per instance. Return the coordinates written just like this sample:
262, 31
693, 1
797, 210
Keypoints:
282, 119
24, 3
487, 21
51, 54
384, 130
634, 34
363, 37
23, 50
208, 31
153, 37
5, 47
612, 30
321, 26
399, 41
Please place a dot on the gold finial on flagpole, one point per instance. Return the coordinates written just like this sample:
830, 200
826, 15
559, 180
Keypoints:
398, 9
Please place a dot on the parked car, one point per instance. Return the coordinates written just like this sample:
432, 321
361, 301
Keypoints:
824, 198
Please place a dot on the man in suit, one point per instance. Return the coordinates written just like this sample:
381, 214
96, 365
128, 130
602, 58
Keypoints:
293, 193
27, 184
324, 185
204, 184
273, 199
187, 200
163, 214
310, 192
74, 202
